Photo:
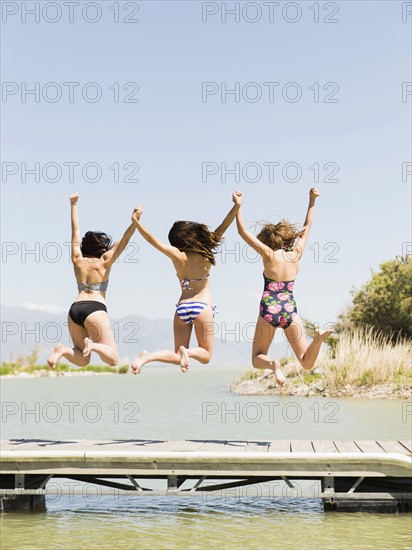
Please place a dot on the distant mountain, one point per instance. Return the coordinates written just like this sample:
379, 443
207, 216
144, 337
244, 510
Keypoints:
23, 329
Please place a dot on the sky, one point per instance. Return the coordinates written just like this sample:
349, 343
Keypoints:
320, 96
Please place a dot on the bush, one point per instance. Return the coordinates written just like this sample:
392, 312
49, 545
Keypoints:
124, 369
384, 304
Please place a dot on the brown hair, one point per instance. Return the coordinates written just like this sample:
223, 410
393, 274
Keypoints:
280, 235
194, 237
95, 244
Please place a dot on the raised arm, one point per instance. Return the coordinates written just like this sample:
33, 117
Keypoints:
119, 247
237, 199
75, 247
170, 251
301, 241
251, 240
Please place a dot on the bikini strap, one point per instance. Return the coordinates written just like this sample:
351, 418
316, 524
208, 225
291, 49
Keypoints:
93, 287
185, 283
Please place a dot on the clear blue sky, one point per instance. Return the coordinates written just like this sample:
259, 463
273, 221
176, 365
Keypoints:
170, 132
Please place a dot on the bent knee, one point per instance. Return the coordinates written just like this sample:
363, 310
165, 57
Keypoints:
205, 360
85, 361
114, 362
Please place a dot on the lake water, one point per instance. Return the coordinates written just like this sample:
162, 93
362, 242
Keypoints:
162, 403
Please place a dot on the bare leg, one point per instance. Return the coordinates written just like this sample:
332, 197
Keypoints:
184, 359
182, 332
163, 356
205, 330
75, 354
305, 354
262, 339
100, 338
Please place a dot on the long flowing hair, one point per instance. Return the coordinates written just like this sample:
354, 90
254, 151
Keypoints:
195, 237
281, 235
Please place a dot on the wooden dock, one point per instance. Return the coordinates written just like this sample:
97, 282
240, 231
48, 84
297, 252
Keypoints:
353, 475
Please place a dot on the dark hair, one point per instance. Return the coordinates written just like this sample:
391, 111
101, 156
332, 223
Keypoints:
95, 244
194, 237
280, 235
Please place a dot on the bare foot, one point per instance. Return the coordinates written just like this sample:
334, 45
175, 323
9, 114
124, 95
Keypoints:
87, 347
55, 355
322, 335
280, 379
184, 359
141, 359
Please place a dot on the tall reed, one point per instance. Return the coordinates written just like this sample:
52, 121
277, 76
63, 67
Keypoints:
363, 358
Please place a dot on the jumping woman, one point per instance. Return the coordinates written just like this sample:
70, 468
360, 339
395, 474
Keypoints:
192, 251
89, 324
281, 247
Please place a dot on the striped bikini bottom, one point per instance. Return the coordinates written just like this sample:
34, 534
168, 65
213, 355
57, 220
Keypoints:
189, 311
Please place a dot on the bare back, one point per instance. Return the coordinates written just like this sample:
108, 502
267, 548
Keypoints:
281, 265
195, 269
89, 271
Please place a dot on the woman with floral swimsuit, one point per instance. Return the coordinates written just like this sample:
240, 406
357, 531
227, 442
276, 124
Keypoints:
281, 247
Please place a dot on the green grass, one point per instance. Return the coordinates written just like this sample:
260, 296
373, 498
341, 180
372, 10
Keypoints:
308, 377
250, 374
17, 368
6, 369
285, 360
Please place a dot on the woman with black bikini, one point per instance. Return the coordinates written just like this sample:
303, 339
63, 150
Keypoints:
89, 324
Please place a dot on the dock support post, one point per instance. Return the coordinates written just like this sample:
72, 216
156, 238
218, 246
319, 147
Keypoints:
16, 503
172, 483
328, 488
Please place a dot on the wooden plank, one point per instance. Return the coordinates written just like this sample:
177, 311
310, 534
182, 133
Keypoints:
324, 446
392, 447
347, 447
126, 445
299, 446
189, 445
221, 446
41, 444
138, 445
169, 446
257, 446
403, 447
279, 446
369, 447
91, 445
213, 445
407, 445
235, 446
152, 446
142, 463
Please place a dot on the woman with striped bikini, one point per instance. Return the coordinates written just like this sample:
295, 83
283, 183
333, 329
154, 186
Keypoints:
192, 251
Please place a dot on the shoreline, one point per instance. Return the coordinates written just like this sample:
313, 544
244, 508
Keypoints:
266, 384
55, 374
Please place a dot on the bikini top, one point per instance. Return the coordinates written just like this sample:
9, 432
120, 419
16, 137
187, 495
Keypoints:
93, 287
185, 283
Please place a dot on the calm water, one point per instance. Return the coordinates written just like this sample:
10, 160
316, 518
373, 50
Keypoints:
163, 404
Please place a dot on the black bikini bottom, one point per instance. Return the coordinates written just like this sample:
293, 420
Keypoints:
79, 311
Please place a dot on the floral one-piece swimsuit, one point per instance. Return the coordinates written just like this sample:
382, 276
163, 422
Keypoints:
278, 306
